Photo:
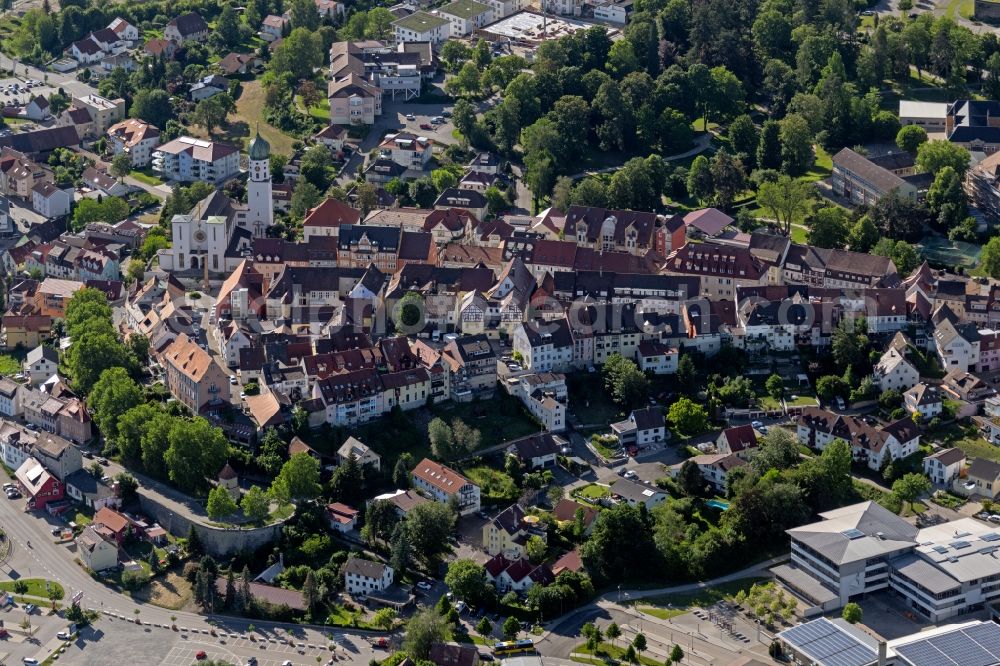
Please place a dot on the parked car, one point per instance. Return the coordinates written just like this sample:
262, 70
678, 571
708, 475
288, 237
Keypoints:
200, 655
64, 635
30, 608
30, 661
426, 126
232, 379
103, 461
410, 116
424, 585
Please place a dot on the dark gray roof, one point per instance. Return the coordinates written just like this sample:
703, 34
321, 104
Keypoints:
361, 567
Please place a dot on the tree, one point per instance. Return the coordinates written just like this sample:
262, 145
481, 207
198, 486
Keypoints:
989, 258
298, 54
298, 479
769, 149
400, 556
211, 113
613, 632
688, 417
310, 591
467, 580
380, 521
196, 451
220, 503
511, 628
466, 83
440, 436
536, 549
384, 618
423, 629
676, 654
401, 471
153, 106
863, 235
639, 643
775, 386
849, 343
304, 196
828, 227
796, 145
228, 28
932, 156
787, 199
464, 117
775, 450
366, 198
903, 255
484, 628
744, 138
699, 182
829, 387
111, 396
453, 54
728, 178
691, 480
910, 138
428, 527
255, 504
121, 166
910, 487
946, 198
316, 166
304, 15
851, 613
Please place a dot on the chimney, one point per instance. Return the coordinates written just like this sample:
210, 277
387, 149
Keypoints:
882, 650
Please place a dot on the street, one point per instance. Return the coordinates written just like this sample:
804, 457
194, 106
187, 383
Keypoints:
47, 559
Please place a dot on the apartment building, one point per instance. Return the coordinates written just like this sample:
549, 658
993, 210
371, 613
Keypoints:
135, 138
445, 485
187, 159
194, 377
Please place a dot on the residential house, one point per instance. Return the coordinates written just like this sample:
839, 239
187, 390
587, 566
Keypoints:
637, 492
895, 372
957, 345
544, 395
10, 399
96, 552
187, 159
209, 86
327, 218
362, 577
871, 444
407, 149
39, 486
566, 511
453, 654
41, 363
126, 32
544, 346
351, 397
472, 366
944, 466
135, 138
403, 500
713, 467
193, 376
516, 575
923, 399
508, 532
57, 455
188, 27
342, 518
103, 183
642, 428
364, 454
966, 386
537, 451
273, 27
238, 63
50, 201
738, 440
90, 491
37, 109
465, 199
982, 478
658, 358
112, 525
442, 484
721, 268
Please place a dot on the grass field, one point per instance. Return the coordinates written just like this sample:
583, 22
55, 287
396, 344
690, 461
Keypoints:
35, 587
9, 365
968, 439
671, 605
250, 112
146, 176
594, 492
493, 483
607, 651
499, 420
321, 111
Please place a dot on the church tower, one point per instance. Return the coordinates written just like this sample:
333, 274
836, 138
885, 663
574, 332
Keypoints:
260, 205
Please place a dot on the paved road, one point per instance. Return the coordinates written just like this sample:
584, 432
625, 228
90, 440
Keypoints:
50, 560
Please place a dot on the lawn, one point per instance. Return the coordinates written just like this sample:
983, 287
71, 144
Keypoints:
146, 176
494, 484
867, 492
9, 365
590, 402
36, 587
593, 492
684, 601
321, 111
800, 234
250, 113
606, 651
967, 438
498, 420
801, 401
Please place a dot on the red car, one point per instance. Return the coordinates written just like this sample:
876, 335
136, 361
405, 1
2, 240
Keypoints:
201, 655
426, 126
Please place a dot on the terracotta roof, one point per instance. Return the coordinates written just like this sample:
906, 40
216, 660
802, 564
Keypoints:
111, 519
189, 359
443, 478
331, 213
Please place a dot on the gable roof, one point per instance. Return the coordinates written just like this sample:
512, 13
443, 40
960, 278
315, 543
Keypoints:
740, 438
443, 478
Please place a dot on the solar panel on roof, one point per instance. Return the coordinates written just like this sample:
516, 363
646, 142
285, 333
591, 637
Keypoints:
963, 534
990, 536
958, 545
853, 533
823, 641
940, 549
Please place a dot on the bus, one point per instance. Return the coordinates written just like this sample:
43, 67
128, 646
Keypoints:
514, 647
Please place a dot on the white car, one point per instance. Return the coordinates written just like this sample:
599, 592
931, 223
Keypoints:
424, 585
30, 661
232, 379
64, 635
410, 116
756, 425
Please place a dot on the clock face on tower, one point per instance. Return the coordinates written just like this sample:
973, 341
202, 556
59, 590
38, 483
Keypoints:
199, 236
